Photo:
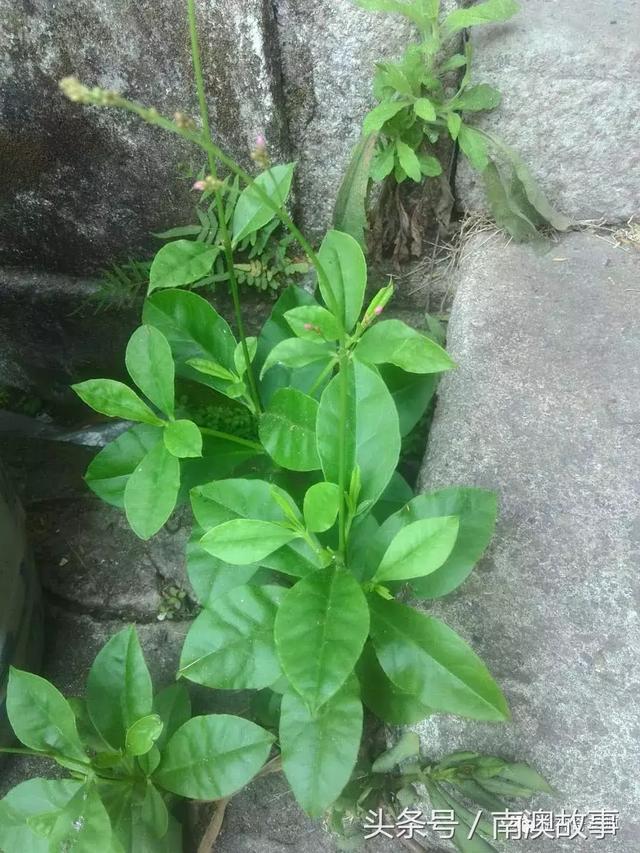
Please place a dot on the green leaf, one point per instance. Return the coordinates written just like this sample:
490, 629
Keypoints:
183, 439
393, 342
211, 368
296, 352
346, 277
429, 166
142, 734
173, 706
194, 330
408, 746
115, 399
244, 540
482, 13
119, 690
238, 355
411, 392
320, 629
458, 60
425, 109
152, 491
350, 210
110, 469
209, 577
319, 750
454, 123
251, 213
515, 780
83, 825
139, 817
25, 804
408, 160
181, 262
424, 657
477, 98
287, 430
325, 326
534, 195
212, 757
505, 208
383, 698
150, 365
476, 512
230, 646
41, 717
378, 116
398, 7
397, 494
418, 549
371, 430
321, 504
474, 146
462, 829
383, 163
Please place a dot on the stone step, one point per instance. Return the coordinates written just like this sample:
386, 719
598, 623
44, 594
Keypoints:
545, 409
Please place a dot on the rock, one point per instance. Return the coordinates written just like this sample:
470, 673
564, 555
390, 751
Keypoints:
329, 51
568, 73
84, 186
544, 409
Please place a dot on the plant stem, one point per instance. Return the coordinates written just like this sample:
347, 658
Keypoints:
245, 442
342, 451
208, 841
220, 206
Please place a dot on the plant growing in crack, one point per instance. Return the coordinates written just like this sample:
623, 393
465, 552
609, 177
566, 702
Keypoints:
419, 109
306, 541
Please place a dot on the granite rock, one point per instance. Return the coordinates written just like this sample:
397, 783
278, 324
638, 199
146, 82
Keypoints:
544, 409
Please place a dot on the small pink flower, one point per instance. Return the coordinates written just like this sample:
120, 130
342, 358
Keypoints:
261, 142
378, 310
200, 186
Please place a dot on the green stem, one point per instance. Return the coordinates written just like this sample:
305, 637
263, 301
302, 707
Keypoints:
327, 370
342, 452
245, 442
220, 207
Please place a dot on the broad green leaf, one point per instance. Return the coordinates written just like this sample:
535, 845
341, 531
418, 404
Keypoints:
83, 826
211, 368
181, 262
411, 392
150, 365
139, 817
482, 13
212, 757
245, 540
454, 123
321, 504
110, 469
239, 358
408, 746
230, 646
210, 577
142, 734
477, 98
424, 657
425, 109
27, 803
319, 750
408, 160
462, 827
350, 210
277, 329
320, 629
220, 458
251, 213
536, 198
380, 115
173, 706
458, 60
287, 430
115, 399
296, 352
393, 342
183, 439
418, 549
505, 208
429, 166
224, 500
371, 430
383, 698
476, 512
383, 163
41, 717
397, 494
346, 277
515, 780
194, 330
408, 10
152, 491
322, 322
119, 690
474, 146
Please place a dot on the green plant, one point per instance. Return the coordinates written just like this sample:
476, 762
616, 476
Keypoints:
130, 755
306, 541
418, 109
